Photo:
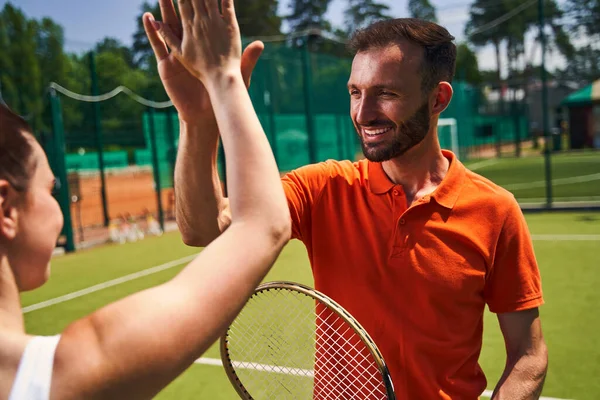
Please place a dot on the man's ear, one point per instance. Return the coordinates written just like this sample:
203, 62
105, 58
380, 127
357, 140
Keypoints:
442, 96
8, 218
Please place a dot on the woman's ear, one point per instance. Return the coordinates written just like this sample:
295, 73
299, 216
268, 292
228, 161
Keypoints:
8, 218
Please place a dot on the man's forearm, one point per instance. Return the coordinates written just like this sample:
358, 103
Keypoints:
198, 194
523, 379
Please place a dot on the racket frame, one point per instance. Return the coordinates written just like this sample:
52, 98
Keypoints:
330, 304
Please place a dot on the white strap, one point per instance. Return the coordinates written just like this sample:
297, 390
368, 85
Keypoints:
34, 375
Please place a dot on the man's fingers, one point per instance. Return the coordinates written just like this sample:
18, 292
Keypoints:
158, 45
250, 58
169, 16
186, 9
228, 11
171, 39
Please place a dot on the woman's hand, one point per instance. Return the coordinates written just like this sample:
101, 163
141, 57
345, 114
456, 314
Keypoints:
210, 46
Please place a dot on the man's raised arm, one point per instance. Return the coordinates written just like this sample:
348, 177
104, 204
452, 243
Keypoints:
201, 210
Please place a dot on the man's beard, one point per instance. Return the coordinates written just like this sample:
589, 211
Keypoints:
408, 134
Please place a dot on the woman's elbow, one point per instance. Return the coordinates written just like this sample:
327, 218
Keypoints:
277, 228
280, 228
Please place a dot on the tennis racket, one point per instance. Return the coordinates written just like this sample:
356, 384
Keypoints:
292, 342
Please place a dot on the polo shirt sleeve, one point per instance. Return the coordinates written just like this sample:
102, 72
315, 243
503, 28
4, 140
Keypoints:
302, 187
514, 282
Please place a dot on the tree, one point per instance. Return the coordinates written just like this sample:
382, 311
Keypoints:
422, 9
307, 14
25, 73
258, 17
482, 30
584, 67
586, 14
50, 42
55, 66
143, 56
8, 89
509, 21
467, 68
113, 45
361, 13
76, 79
113, 70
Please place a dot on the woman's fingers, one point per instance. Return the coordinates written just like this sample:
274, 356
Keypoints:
212, 8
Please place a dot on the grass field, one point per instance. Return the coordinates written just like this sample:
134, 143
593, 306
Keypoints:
570, 273
575, 176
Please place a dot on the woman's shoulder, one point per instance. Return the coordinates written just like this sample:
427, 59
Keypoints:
27, 363
12, 346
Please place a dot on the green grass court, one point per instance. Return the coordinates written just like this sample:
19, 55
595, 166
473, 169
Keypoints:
575, 176
569, 266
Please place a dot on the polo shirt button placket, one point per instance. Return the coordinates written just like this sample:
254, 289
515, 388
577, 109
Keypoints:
400, 240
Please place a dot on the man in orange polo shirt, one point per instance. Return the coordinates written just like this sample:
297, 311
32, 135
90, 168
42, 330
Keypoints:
412, 243
408, 240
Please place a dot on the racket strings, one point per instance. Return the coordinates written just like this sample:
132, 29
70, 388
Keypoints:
283, 345
348, 357
327, 377
269, 347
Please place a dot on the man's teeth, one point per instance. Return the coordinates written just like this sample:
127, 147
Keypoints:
375, 132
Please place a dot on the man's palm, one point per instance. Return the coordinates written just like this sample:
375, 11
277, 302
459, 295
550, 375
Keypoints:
187, 93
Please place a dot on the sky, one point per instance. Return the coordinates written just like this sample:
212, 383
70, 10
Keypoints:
87, 22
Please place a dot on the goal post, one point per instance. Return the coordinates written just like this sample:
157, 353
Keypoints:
448, 135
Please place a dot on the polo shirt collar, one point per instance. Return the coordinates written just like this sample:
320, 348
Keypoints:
446, 194
379, 183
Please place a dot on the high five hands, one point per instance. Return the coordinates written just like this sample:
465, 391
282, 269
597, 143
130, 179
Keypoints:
203, 46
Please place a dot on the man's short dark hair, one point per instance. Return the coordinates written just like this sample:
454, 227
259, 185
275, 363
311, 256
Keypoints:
439, 57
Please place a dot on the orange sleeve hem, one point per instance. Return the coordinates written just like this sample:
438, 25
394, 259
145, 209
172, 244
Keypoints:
526, 304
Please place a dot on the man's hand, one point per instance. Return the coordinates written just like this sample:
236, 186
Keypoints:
187, 93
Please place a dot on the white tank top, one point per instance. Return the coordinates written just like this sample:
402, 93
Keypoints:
34, 375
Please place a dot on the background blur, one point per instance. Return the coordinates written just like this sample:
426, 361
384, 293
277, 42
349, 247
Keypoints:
525, 113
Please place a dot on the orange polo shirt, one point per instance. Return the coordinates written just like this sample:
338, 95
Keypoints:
417, 278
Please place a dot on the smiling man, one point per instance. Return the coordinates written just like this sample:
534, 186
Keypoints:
408, 240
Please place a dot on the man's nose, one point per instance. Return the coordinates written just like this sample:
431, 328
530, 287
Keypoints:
366, 111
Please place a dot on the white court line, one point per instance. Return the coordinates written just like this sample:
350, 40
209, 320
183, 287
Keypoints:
159, 268
562, 199
101, 286
262, 367
488, 393
258, 367
559, 181
566, 238
482, 164
172, 264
